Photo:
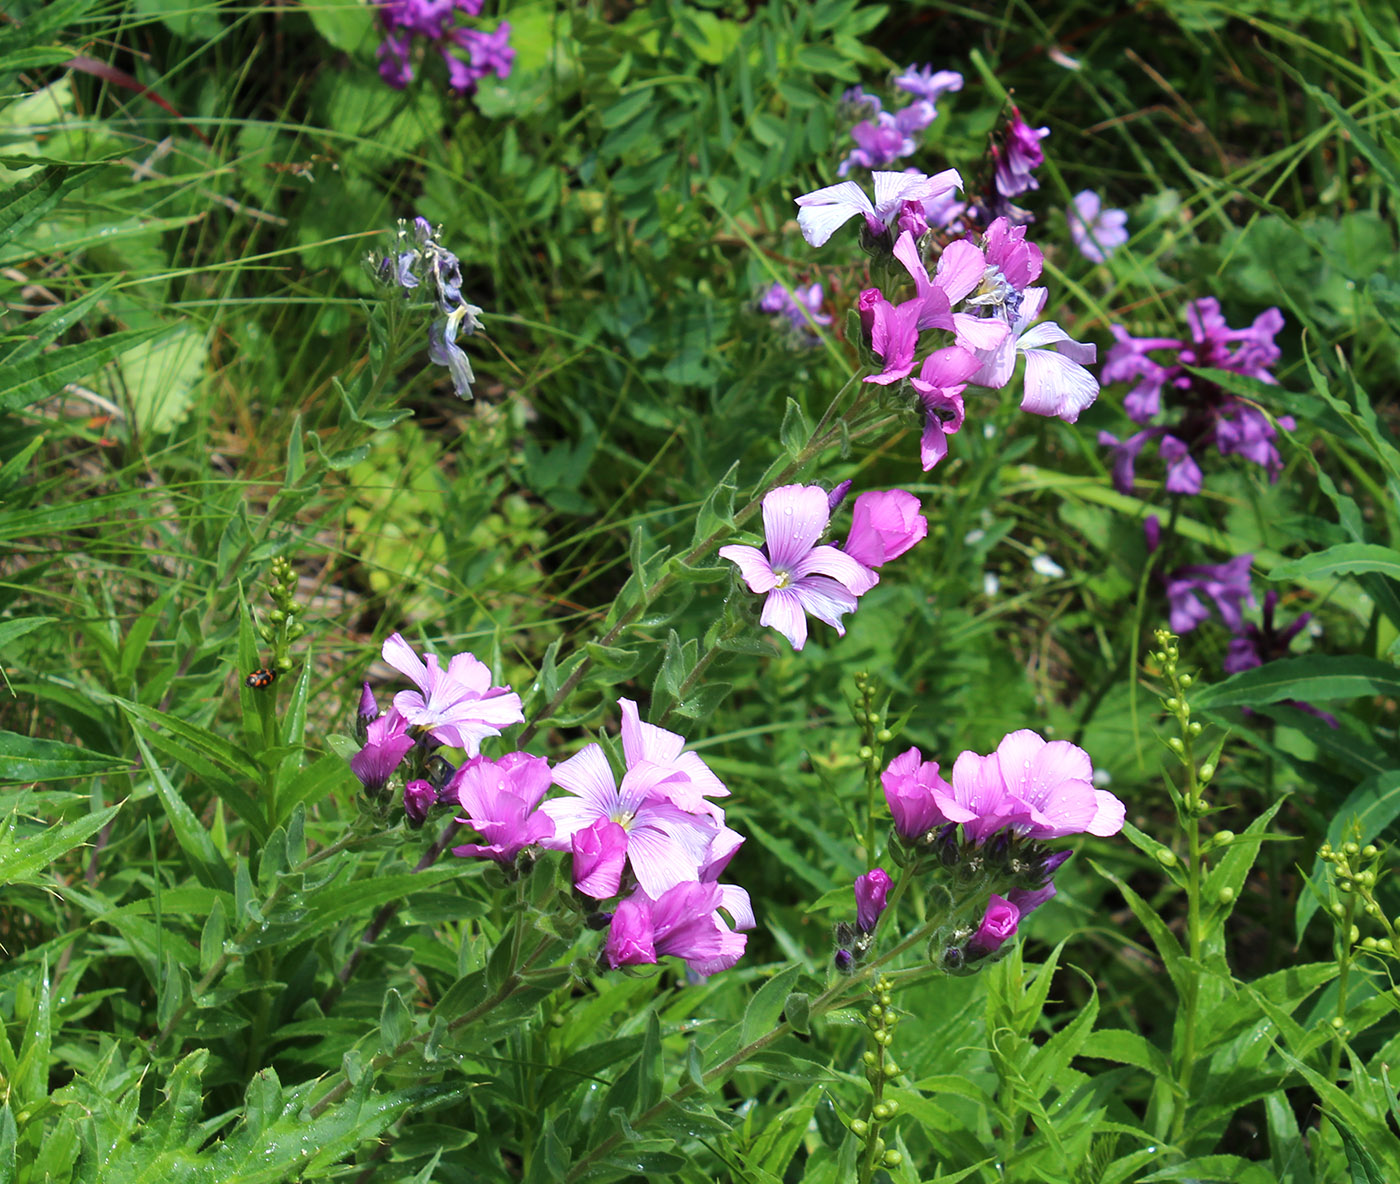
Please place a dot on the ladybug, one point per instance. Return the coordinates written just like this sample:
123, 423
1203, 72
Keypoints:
261, 678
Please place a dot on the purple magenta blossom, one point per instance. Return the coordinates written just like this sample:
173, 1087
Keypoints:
1052, 783
1226, 585
1206, 414
488, 53
960, 269
498, 800
386, 744
884, 524
879, 141
660, 804
822, 212
458, 705
1056, 382
1183, 473
918, 798
998, 925
418, 798
436, 20
871, 890
793, 573
600, 851
1095, 231
1019, 155
894, 334
1254, 645
927, 84
683, 921
801, 306
940, 384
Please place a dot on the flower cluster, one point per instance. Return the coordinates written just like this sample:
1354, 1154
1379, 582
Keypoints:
1018, 155
884, 137
802, 307
1095, 231
419, 260
796, 575
1205, 415
981, 292
469, 54
655, 838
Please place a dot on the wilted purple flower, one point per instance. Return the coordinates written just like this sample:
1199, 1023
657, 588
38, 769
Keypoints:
386, 744
998, 925
793, 573
418, 798
458, 705
871, 890
683, 921
1018, 156
1095, 231
1226, 585
884, 524
822, 212
498, 799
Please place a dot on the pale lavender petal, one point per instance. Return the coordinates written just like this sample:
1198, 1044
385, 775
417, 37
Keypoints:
470, 672
646, 742
1109, 815
735, 901
997, 364
960, 269
659, 861
399, 654
829, 561
753, 566
588, 775
826, 599
794, 517
824, 211
1056, 385
783, 612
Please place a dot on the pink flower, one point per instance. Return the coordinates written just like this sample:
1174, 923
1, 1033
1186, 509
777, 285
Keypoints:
824, 211
1097, 232
418, 798
1021, 154
884, 524
458, 705
683, 921
894, 334
960, 269
1017, 261
795, 575
1052, 786
667, 844
498, 799
998, 924
919, 799
871, 890
940, 384
600, 850
386, 744
1056, 382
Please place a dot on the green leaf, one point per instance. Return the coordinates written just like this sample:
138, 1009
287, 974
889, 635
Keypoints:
188, 830
22, 205
32, 758
797, 1008
1342, 559
395, 1024
796, 429
1309, 678
346, 24
762, 1013
159, 376
23, 383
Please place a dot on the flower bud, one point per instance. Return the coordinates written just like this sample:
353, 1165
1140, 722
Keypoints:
418, 798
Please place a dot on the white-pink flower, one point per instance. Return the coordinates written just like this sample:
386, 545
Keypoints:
669, 824
824, 211
795, 575
1056, 382
458, 705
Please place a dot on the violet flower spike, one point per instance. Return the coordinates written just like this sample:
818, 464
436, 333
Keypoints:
793, 573
926, 83
1226, 585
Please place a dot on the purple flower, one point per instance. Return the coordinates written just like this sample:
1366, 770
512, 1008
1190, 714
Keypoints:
1019, 155
793, 573
418, 798
1226, 585
600, 851
386, 745
1254, 645
1052, 784
660, 805
458, 705
927, 84
1207, 414
998, 925
1056, 382
1183, 473
683, 921
1095, 231
918, 798
488, 53
960, 269
940, 384
871, 890
884, 524
801, 306
822, 212
394, 65
894, 334
436, 21
498, 799
879, 142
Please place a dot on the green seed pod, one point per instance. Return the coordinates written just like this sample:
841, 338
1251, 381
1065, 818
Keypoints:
1351, 848
1166, 857
884, 735
870, 1056
880, 1112
1354, 935
860, 1128
1225, 895
1337, 1022
1368, 943
866, 752
1172, 704
1193, 728
892, 1070
1176, 745
1370, 851
1223, 838
1339, 910
893, 1159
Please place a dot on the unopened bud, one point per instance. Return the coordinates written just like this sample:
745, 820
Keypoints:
1370, 851
880, 1111
1166, 857
1207, 771
1223, 838
1186, 680
884, 735
860, 1128
1175, 744
1193, 728
1226, 895
866, 752
893, 1159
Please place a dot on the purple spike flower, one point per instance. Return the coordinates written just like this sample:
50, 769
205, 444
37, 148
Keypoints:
1226, 585
1097, 232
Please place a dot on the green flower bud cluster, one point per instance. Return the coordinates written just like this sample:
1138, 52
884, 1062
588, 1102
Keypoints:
282, 625
880, 1021
1355, 872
